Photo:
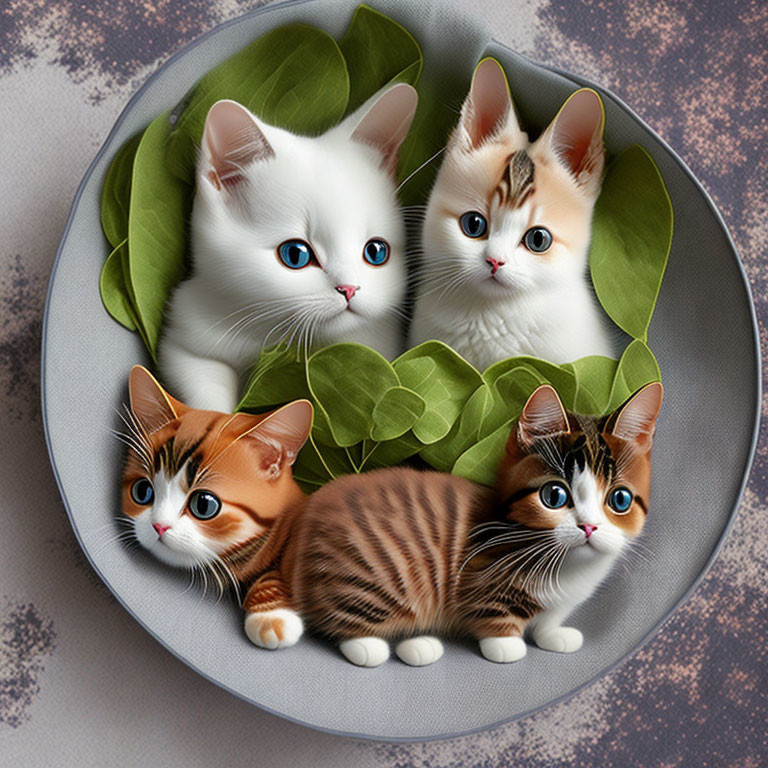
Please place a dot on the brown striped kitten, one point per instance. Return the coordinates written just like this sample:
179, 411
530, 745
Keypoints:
203, 489
399, 554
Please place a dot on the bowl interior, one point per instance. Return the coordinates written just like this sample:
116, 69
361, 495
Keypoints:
702, 451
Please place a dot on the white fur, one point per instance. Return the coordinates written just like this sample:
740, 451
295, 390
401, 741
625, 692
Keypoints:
292, 629
503, 650
332, 192
584, 567
365, 651
531, 306
182, 545
419, 651
534, 304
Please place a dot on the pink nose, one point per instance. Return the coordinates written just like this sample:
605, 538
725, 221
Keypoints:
588, 529
495, 265
347, 290
160, 528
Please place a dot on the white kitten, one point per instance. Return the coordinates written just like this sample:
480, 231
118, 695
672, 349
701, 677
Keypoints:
506, 236
293, 238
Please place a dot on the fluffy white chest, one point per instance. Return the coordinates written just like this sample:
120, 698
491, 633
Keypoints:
559, 326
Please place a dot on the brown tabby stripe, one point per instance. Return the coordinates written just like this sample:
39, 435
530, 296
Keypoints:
516, 183
415, 520
240, 554
389, 566
173, 457
267, 594
266, 522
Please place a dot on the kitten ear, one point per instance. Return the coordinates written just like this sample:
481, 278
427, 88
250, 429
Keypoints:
542, 416
636, 419
576, 138
150, 403
386, 123
232, 140
286, 430
488, 108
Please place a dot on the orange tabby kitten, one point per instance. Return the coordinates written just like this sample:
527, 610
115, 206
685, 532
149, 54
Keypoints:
203, 489
399, 553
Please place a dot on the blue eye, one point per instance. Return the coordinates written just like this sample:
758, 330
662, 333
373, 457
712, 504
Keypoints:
554, 495
620, 500
537, 239
142, 492
473, 224
296, 254
204, 505
376, 252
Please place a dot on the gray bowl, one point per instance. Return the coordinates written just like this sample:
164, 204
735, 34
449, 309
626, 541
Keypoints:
704, 335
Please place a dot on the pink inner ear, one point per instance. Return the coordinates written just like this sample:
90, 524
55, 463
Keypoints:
637, 418
489, 102
149, 402
576, 128
231, 141
543, 416
386, 124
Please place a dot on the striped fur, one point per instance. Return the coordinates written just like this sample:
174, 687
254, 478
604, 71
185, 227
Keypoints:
401, 553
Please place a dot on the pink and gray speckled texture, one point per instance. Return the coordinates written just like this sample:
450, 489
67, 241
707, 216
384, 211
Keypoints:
80, 682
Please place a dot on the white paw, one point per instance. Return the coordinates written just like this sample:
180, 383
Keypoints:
419, 651
503, 650
559, 639
279, 628
366, 651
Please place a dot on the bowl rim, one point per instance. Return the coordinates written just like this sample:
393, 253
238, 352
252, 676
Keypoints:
576, 79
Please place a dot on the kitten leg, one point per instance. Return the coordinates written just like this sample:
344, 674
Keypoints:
503, 650
365, 651
501, 638
269, 620
209, 385
419, 651
549, 635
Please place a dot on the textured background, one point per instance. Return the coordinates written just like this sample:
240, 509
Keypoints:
81, 683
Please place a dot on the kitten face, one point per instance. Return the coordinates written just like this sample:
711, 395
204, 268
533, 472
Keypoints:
199, 485
586, 481
507, 215
303, 235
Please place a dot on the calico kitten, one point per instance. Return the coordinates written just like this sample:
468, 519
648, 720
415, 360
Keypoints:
294, 238
506, 233
398, 553
203, 489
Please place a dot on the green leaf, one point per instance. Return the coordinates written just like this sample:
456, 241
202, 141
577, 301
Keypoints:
347, 381
378, 51
319, 464
637, 367
631, 238
293, 77
481, 462
114, 294
116, 194
444, 379
393, 452
560, 378
159, 212
594, 379
509, 394
443, 454
397, 411
278, 377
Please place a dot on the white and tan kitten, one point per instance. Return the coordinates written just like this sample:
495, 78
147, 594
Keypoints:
506, 235
294, 238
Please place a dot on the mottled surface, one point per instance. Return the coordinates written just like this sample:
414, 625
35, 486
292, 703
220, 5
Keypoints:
98, 691
26, 638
